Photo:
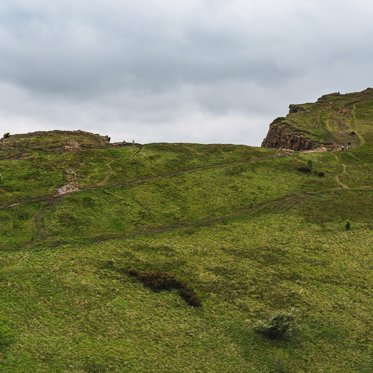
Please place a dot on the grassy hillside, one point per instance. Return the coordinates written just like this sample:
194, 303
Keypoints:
336, 118
242, 228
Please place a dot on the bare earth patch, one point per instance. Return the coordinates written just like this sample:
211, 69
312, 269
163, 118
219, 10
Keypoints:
68, 188
72, 185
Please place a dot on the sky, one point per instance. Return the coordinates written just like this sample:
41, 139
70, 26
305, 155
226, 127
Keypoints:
207, 71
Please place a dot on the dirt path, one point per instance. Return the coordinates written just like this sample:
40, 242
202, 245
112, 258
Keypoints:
353, 156
280, 204
361, 138
107, 176
23, 155
140, 180
337, 177
327, 123
344, 186
39, 217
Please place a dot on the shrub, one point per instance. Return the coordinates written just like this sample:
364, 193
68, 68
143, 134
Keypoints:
6, 135
321, 173
278, 326
348, 226
304, 169
307, 169
190, 297
158, 281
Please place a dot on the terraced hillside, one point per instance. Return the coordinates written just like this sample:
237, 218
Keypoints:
92, 232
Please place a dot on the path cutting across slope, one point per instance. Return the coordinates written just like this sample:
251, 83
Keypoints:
361, 138
282, 203
108, 174
337, 177
141, 180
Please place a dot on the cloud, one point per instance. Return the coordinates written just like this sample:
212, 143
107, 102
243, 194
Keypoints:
202, 70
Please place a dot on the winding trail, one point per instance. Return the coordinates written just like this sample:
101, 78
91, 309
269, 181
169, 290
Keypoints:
51, 199
344, 186
140, 180
283, 203
39, 217
361, 138
107, 176
337, 177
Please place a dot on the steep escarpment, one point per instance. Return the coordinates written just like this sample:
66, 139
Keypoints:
282, 135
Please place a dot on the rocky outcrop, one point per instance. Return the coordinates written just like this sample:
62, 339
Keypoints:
72, 185
296, 108
71, 146
282, 135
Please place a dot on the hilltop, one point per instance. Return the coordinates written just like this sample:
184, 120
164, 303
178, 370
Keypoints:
163, 257
335, 120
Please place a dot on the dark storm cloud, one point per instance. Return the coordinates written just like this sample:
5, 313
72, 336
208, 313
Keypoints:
161, 70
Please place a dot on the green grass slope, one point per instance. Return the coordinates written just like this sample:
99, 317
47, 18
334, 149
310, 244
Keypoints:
242, 227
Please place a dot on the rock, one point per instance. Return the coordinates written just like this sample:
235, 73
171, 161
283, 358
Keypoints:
72, 145
282, 135
72, 185
68, 188
295, 108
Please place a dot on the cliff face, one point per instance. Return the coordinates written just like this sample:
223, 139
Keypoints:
283, 136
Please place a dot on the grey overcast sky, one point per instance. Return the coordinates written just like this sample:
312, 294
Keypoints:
177, 71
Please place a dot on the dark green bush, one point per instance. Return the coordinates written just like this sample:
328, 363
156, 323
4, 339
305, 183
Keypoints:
278, 326
6, 135
321, 173
158, 281
304, 169
348, 226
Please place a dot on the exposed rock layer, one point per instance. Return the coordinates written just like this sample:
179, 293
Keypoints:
283, 136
